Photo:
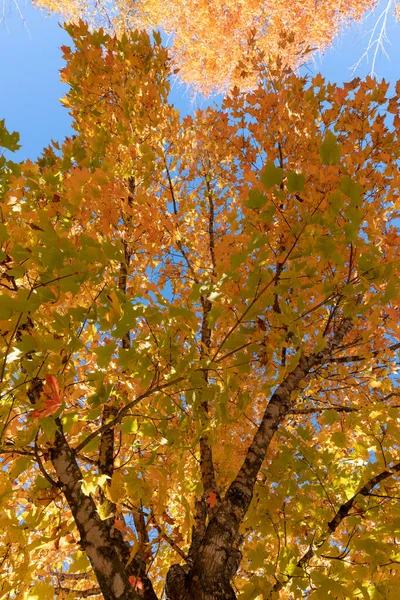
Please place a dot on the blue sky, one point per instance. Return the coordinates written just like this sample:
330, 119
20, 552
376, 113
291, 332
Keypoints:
30, 59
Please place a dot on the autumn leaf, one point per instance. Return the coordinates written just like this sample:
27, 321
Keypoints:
212, 500
217, 44
51, 398
330, 149
136, 583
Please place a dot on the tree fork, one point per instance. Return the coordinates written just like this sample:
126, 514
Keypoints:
214, 564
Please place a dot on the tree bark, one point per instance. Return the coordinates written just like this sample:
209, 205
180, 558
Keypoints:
108, 554
100, 549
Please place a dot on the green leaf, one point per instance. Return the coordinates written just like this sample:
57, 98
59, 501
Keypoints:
256, 199
8, 140
271, 175
148, 430
326, 245
68, 420
330, 149
268, 214
4, 235
352, 189
129, 425
295, 182
49, 429
104, 354
339, 439
21, 464
330, 416
335, 203
392, 291
7, 306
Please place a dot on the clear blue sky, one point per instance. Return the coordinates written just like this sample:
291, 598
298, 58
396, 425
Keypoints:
30, 59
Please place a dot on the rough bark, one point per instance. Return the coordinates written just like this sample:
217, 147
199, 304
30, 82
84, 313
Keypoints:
108, 567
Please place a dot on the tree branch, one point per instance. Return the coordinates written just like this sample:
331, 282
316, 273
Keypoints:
206, 457
125, 410
170, 540
40, 465
360, 357
341, 514
280, 404
223, 527
108, 557
96, 591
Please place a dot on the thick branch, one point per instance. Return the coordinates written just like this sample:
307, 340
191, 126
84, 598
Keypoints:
71, 576
106, 447
280, 404
359, 357
206, 459
313, 411
208, 479
223, 528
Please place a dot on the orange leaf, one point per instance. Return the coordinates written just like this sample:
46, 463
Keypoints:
120, 525
212, 499
393, 313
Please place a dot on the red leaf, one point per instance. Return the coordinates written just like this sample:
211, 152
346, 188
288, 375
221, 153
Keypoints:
52, 399
136, 583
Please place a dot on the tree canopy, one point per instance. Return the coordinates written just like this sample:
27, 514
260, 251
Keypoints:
217, 44
199, 337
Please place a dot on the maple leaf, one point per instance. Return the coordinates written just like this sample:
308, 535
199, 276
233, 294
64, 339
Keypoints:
52, 399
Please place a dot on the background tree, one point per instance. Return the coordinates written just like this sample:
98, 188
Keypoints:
215, 43
199, 335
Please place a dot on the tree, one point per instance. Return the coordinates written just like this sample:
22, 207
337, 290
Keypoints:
200, 335
217, 44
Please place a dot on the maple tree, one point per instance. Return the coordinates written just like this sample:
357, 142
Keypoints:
216, 44
199, 338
